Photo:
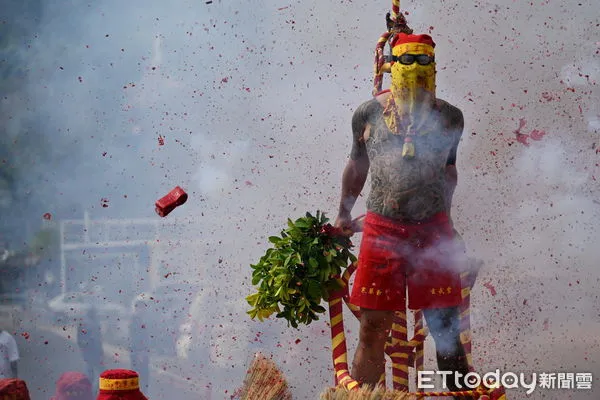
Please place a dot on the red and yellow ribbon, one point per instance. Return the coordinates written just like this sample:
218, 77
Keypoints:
395, 9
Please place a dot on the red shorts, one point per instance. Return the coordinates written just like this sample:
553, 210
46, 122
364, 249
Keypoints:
423, 257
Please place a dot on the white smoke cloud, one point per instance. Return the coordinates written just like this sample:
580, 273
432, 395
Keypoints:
253, 101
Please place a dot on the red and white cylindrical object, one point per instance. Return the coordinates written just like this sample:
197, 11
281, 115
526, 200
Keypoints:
168, 203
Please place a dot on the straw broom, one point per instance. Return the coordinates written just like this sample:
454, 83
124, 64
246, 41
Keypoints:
341, 393
264, 381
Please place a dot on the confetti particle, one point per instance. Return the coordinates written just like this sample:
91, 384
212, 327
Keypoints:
104, 202
161, 140
522, 123
547, 96
47, 216
25, 335
536, 134
522, 138
490, 287
297, 341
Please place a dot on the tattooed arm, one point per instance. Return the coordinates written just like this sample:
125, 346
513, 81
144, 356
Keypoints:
457, 126
357, 169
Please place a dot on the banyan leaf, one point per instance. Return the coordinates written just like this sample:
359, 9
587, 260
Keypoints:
274, 239
252, 299
318, 309
314, 289
302, 223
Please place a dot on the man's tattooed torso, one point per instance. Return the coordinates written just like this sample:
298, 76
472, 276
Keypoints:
406, 189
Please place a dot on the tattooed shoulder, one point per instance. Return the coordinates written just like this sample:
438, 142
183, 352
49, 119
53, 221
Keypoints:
364, 116
453, 117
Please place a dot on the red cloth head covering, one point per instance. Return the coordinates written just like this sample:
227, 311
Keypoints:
73, 386
120, 384
13, 389
401, 38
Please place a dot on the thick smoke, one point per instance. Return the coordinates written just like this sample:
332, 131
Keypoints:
247, 105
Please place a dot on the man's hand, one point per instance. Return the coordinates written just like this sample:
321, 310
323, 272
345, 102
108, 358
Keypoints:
349, 226
344, 223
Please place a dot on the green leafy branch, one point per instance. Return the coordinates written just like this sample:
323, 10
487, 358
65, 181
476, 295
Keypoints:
301, 269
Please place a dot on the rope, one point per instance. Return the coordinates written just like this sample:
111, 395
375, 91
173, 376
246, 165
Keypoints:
477, 393
395, 10
380, 62
338, 338
420, 347
399, 351
395, 23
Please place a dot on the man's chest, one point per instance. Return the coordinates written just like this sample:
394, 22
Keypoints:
431, 142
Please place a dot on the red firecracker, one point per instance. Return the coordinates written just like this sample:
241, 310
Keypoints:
168, 203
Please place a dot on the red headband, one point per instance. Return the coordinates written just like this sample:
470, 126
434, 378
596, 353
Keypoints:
401, 38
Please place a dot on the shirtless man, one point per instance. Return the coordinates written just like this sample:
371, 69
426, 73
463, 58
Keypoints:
407, 139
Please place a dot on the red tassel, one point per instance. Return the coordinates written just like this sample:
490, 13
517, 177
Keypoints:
168, 203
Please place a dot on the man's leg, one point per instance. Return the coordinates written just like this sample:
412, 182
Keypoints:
443, 324
369, 362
